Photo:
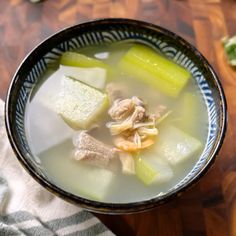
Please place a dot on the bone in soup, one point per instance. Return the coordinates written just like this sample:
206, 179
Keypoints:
117, 123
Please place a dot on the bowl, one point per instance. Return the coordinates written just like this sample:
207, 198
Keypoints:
106, 31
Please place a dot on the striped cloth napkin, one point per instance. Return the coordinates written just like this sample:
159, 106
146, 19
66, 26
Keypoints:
28, 209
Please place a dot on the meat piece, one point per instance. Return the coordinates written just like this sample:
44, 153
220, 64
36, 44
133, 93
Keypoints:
148, 131
119, 127
92, 151
90, 157
115, 91
132, 127
137, 140
126, 113
137, 101
121, 109
138, 115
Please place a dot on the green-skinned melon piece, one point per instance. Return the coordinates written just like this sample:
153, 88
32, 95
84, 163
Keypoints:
189, 112
98, 179
149, 66
79, 104
175, 146
150, 169
80, 60
87, 181
94, 77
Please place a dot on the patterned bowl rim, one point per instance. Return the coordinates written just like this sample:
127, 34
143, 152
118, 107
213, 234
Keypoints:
117, 208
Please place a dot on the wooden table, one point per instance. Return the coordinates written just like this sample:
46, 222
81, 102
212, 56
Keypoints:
209, 208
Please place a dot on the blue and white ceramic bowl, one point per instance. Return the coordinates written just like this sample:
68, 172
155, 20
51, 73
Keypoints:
105, 31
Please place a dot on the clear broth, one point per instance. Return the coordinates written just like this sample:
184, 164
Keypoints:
50, 138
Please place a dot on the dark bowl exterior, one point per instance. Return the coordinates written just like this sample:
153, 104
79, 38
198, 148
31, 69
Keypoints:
101, 207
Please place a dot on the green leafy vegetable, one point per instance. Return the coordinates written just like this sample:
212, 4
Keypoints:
230, 49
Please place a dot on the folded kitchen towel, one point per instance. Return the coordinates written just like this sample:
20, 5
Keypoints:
26, 208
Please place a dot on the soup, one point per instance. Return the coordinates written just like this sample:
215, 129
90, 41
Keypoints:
116, 123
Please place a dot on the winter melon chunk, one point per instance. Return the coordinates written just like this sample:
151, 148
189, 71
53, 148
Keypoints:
149, 66
189, 112
79, 104
175, 146
94, 77
95, 182
78, 178
80, 60
151, 169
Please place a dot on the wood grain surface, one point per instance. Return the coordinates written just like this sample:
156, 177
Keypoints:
209, 208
